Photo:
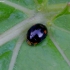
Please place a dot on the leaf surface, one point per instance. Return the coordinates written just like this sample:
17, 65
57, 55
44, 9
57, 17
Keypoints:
16, 17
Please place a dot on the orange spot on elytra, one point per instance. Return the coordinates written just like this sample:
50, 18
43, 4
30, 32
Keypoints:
45, 31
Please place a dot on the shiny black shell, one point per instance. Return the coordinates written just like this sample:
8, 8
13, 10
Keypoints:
36, 34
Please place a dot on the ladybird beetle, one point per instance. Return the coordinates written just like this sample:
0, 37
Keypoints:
36, 34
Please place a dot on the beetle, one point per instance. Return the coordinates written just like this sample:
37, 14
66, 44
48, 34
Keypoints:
36, 34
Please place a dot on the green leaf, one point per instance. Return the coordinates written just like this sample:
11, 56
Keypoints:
6, 53
16, 17
61, 30
26, 3
9, 17
42, 57
58, 1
